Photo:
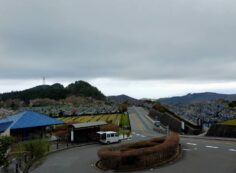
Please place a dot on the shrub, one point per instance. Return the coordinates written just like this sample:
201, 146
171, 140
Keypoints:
141, 155
159, 139
34, 148
109, 127
160, 108
142, 144
5, 143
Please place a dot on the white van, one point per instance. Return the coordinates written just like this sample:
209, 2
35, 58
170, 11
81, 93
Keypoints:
108, 137
157, 123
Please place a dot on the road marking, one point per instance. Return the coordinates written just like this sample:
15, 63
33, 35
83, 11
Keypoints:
186, 149
208, 146
232, 149
143, 136
137, 134
191, 144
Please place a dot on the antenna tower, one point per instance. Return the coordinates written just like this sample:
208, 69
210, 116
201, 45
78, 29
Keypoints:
44, 80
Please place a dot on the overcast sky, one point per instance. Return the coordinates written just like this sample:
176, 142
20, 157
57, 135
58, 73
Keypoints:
143, 48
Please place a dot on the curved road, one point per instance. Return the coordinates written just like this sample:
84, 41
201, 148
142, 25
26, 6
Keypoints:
199, 155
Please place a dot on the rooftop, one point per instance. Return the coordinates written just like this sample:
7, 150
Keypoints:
89, 124
27, 119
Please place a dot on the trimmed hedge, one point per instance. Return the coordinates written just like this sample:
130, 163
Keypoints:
141, 155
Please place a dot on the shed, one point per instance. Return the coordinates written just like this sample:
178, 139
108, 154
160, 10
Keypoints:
84, 132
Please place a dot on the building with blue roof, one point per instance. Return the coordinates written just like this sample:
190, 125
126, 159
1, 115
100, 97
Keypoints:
27, 125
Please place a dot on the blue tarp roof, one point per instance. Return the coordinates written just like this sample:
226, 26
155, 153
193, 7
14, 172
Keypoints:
5, 125
28, 119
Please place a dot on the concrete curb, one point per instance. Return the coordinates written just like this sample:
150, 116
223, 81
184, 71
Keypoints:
209, 138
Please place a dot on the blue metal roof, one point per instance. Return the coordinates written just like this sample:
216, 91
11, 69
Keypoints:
29, 119
5, 125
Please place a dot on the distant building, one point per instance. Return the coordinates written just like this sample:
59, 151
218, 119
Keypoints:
26, 125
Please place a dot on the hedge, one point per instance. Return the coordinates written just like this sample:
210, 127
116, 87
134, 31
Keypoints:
140, 154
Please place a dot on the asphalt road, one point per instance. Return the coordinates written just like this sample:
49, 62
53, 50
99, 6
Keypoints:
140, 125
199, 155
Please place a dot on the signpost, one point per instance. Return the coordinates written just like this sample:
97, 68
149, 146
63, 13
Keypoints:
72, 135
182, 126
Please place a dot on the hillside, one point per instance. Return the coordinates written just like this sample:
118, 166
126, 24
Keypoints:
124, 98
169, 118
197, 98
55, 91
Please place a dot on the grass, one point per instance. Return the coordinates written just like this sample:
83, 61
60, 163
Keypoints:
124, 121
230, 122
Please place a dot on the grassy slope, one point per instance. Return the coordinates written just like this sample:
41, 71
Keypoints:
112, 118
230, 122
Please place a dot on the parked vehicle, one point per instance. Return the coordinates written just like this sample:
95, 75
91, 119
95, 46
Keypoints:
157, 123
108, 137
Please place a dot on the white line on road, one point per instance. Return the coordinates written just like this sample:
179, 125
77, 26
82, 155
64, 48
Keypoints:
185, 149
143, 136
137, 134
208, 146
232, 149
191, 144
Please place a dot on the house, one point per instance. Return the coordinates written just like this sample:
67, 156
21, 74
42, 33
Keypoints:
27, 125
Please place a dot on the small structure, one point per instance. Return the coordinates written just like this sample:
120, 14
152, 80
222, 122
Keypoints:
84, 132
26, 125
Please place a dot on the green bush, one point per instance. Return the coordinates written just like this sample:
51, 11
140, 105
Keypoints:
5, 143
34, 148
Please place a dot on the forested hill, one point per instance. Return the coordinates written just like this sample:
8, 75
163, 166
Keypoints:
55, 91
197, 98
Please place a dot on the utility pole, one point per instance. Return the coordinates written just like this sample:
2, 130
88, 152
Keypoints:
44, 80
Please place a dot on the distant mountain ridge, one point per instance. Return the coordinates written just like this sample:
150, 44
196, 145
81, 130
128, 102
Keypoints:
55, 91
197, 97
123, 98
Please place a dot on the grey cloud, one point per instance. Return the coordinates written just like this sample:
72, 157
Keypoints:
185, 40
